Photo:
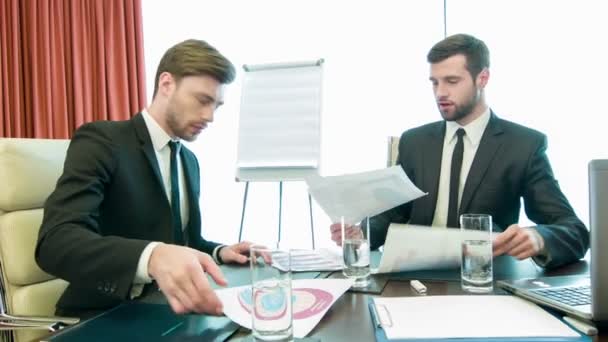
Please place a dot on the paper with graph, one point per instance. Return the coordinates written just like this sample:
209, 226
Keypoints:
311, 298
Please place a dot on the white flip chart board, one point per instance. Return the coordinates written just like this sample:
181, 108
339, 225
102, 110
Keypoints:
280, 121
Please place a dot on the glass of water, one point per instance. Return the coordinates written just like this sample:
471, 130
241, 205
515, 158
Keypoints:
271, 309
476, 262
355, 251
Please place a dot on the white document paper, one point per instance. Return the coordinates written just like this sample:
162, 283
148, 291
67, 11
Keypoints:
355, 196
466, 317
311, 300
412, 248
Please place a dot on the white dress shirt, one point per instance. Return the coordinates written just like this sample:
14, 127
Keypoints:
160, 142
474, 131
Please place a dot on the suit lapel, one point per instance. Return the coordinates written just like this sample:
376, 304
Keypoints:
146, 147
489, 144
431, 168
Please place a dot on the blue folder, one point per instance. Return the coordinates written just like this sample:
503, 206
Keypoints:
381, 335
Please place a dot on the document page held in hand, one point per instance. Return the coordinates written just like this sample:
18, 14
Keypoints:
358, 195
412, 248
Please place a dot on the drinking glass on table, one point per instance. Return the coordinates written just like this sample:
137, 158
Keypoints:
271, 314
476, 252
356, 252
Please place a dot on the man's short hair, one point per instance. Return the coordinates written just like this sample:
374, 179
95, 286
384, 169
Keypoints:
475, 51
194, 57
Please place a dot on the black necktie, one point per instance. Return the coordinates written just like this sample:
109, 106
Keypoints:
455, 179
175, 205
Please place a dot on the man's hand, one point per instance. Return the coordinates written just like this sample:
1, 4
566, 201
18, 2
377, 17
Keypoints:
180, 274
519, 242
351, 232
237, 253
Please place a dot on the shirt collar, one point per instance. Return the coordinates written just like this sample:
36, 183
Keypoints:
159, 137
474, 130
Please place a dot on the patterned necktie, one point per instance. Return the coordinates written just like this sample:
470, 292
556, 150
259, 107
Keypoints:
175, 204
455, 179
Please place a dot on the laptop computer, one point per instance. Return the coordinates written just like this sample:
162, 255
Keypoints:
578, 296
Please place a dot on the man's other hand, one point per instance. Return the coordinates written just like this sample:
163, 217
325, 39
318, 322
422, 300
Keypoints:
519, 242
352, 231
235, 254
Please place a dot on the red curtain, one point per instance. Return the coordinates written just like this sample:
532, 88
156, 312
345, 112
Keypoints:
67, 62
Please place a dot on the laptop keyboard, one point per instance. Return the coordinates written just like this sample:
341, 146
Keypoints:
579, 295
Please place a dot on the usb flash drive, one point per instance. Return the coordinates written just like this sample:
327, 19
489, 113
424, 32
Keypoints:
418, 286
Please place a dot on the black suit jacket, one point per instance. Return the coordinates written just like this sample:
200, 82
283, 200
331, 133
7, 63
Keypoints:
510, 163
110, 203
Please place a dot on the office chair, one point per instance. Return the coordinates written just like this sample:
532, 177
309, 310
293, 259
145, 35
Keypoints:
393, 151
29, 169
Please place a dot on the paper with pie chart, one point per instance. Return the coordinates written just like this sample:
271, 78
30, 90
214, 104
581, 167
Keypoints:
311, 298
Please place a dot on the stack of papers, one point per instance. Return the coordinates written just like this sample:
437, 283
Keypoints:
356, 196
310, 260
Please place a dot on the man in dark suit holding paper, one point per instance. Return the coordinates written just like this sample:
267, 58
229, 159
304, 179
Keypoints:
474, 162
125, 211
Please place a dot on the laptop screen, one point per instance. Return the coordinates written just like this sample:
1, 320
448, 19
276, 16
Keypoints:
598, 224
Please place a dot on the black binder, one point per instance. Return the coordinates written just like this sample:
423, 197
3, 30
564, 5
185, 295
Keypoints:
135, 321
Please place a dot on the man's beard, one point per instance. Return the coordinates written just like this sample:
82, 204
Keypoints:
173, 122
462, 111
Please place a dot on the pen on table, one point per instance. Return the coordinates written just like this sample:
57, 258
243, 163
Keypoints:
581, 326
418, 286
375, 318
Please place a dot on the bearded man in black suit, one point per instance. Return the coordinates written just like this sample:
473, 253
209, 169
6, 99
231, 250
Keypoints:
475, 162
